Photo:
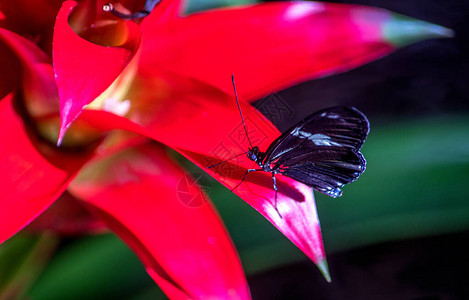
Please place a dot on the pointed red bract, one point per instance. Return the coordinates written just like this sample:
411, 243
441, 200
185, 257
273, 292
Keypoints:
146, 199
22, 64
268, 46
204, 124
83, 70
296, 217
36, 82
32, 174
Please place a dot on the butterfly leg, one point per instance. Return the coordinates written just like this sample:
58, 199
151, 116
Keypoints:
276, 192
246, 174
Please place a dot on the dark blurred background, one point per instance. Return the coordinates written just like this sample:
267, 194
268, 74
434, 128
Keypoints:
400, 232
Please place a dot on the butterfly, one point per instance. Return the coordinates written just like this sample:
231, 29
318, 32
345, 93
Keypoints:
321, 151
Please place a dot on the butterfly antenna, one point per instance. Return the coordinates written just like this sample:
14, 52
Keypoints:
213, 166
239, 107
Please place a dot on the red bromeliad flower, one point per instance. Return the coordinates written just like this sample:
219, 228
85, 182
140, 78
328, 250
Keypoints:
105, 87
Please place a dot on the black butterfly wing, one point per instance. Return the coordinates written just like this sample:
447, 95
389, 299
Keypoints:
322, 151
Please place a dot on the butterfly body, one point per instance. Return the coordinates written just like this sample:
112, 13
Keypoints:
258, 156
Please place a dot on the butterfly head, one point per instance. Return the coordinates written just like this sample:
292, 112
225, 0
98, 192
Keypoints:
255, 154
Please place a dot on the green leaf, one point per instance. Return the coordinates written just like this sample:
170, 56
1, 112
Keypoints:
22, 259
401, 30
97, 267
414, 185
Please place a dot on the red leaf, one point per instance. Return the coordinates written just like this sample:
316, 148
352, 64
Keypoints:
33, 175
36, 81
269, 46
204, 124
185, 249
84, 69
